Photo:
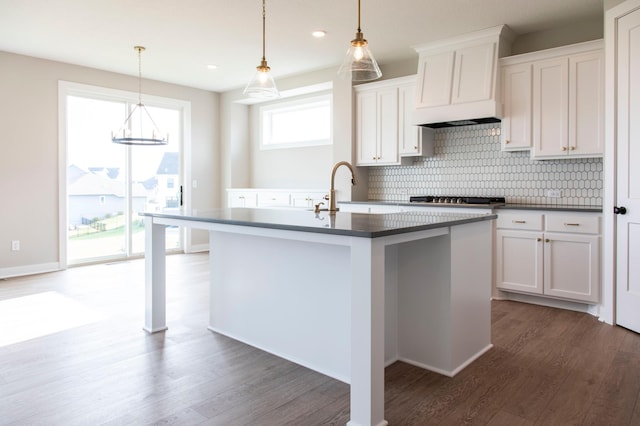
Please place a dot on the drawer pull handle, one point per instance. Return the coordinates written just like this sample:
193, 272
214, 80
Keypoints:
571, 224
519, 221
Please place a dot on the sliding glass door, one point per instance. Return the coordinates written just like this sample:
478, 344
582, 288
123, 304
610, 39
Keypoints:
109, 184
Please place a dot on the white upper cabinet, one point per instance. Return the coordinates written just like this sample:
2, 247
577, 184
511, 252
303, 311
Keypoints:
516, 107
412, 140
568, 109
377, 126
384, 130
457, 78
553, 102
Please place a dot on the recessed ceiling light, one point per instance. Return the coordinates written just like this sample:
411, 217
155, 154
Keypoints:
319, 33
212, 67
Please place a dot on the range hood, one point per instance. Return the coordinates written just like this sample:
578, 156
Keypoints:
461, 123
458, 79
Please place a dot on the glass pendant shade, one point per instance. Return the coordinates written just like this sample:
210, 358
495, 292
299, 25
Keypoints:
139, 128
262, 85
359, 64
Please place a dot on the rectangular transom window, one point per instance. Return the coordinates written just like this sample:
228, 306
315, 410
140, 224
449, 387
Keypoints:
299, 123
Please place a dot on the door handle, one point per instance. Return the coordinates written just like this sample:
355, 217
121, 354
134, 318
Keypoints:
619, 210
181, 196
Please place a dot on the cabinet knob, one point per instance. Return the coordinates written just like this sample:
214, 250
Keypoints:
507, 142
564, 148
572, 148
547, 240
538, 239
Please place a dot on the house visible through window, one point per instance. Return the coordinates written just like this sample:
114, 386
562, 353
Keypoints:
304, 122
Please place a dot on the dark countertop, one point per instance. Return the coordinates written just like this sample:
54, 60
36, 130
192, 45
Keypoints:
342, 223
489, 207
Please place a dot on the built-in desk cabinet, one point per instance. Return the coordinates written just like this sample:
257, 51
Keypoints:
555, 254
275, 198
553, 102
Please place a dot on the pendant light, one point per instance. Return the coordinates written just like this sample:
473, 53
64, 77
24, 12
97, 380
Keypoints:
147, 135
359, 64
262, 84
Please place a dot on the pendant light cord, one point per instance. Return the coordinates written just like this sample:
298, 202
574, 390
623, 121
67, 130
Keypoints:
264, 14
359, 16
139, 49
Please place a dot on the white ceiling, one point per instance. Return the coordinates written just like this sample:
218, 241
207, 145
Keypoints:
182, 37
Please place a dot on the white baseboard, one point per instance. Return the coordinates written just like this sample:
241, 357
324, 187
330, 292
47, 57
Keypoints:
197, 248
18, 271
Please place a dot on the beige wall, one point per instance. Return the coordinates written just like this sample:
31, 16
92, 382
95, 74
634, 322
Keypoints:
29, 156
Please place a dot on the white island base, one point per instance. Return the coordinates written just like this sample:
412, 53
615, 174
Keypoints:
342, 305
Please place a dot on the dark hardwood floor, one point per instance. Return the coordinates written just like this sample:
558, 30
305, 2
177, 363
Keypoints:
548, 366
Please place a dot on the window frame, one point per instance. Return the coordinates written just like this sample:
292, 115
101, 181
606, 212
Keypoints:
266, 112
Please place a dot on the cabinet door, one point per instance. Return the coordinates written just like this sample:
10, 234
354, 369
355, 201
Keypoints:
586, 104
473, 76
408, 133
242, 199
308, 200
387, 103
435, 77
366, 128
550, 108
516, 93
519, 257
572, 266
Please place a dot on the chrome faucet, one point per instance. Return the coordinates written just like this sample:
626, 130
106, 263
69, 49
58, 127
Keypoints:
332, 192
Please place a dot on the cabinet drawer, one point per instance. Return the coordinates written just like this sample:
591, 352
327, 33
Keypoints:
578, 224
273, 199
526, 221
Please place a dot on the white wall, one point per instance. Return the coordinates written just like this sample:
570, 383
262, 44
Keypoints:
245, 165
29, 158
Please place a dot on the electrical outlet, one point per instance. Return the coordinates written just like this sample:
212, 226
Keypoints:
554, 193
15, 245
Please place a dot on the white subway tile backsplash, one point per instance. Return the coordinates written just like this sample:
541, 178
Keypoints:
468, 161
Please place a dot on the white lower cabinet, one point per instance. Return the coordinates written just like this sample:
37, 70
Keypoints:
551, 254
275, 198
242, 199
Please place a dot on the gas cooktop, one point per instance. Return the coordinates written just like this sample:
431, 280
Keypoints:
453, 199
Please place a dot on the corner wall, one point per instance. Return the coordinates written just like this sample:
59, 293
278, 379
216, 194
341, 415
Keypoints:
29, 160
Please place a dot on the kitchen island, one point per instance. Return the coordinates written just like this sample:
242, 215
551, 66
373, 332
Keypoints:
344, 294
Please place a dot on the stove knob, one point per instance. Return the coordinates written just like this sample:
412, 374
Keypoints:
459, 201
447, 200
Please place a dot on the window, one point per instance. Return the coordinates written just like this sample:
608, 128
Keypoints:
304, 122
170, 183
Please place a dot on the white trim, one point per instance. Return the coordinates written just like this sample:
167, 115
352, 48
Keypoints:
608, 304
40, 268
293, 105
67, 88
